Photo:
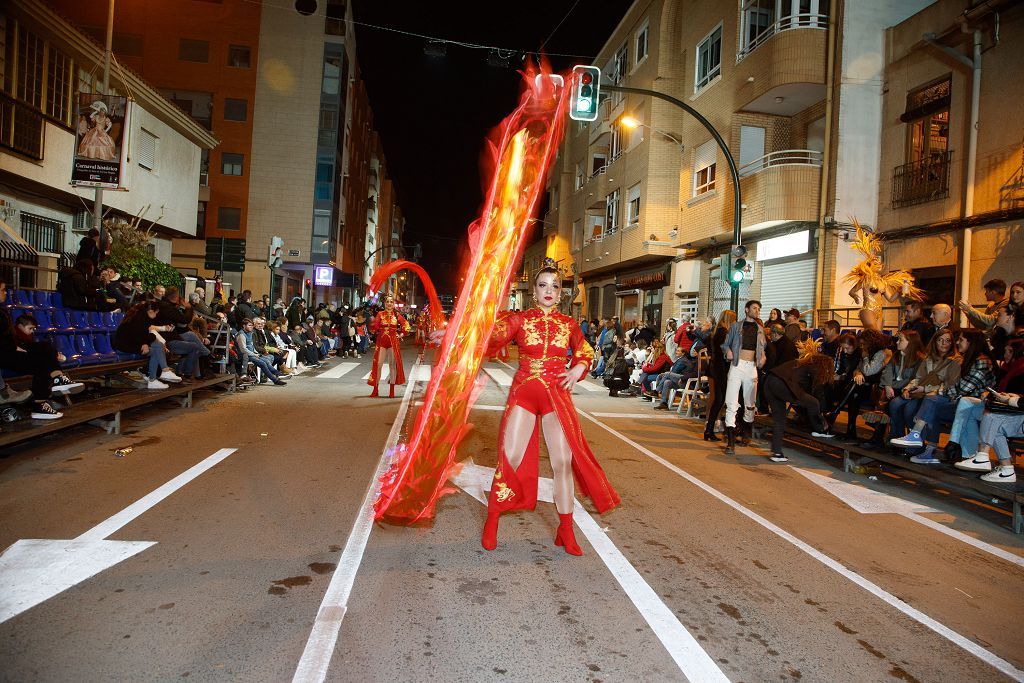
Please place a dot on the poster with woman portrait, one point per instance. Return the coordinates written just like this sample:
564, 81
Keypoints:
101, 140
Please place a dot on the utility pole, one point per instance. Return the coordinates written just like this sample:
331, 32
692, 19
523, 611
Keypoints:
97, 209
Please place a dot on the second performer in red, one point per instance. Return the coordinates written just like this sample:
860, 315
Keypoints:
389, 326
541, 399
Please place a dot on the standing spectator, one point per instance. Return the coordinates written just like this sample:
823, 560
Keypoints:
584, 326
1016, 300
616, 372
683, 338
605, 346
792, 330
362, 339
744, 348
89, 248
775, 316
719, 373
139, 334
670, 338
913, 319
346, 331
77, 286
995, 296
245, 307
1009, 326
295, 313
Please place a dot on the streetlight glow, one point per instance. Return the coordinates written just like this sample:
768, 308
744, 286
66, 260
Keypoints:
629, 122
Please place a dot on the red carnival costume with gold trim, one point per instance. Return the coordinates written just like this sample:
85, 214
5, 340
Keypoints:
389, 327
544, 340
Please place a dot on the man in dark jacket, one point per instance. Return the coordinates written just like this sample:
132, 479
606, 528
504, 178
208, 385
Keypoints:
181, 340
89, 248
245, 307
781, 349
801, 383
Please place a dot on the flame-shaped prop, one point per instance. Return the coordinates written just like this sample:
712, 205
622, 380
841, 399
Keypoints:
526, 146
381, 274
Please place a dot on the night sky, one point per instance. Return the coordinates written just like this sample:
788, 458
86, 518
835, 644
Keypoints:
433, 113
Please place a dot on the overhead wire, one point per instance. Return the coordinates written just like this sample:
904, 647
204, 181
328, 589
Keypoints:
438, 39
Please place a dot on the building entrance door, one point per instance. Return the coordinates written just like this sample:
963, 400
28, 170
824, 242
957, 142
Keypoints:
629, 309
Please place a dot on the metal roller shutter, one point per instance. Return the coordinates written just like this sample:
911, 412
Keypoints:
787, 285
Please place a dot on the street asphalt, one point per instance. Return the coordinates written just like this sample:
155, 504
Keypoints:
713, 567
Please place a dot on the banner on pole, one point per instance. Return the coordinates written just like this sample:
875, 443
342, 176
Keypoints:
101, 141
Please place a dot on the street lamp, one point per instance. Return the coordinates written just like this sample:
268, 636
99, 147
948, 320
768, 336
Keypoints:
631, 123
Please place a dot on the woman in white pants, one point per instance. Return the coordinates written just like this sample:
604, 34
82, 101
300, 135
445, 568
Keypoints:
744, 349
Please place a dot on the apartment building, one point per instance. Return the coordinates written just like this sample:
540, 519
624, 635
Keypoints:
642, 201
951, 203
45, 62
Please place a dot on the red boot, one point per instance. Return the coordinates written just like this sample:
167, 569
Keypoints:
565, 536
374, 392
392, 394
489, 540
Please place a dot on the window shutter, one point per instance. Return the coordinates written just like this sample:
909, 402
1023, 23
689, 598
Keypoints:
705, 155
145, 150
751, 144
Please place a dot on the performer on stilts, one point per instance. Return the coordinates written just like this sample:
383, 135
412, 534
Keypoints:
541, 399
390, 327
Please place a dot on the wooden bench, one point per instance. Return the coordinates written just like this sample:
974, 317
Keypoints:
106, 412
944, 474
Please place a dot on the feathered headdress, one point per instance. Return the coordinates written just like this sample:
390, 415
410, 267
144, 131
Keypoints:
870, 272
808, 347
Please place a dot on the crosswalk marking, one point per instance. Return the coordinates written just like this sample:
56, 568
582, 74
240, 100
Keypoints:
590, 386
335, 373
499, 377
384, 374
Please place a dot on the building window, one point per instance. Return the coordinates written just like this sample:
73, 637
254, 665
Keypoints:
145, 150
235, 110
30, 68
239, 56
633, 206
44, 234
926, 174
324, 181
60, 76
761, 19
332, 75
611, 213
616, 146
577, 234
704, 164
751, 149
229, 218
190, 50
599, 163
231, 164
640, 44
580, 176
709, 59
201, 219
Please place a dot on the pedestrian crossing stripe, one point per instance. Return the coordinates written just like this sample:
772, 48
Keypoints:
337, 372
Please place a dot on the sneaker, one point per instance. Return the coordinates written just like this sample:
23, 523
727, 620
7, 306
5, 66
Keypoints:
168, 375
44, 411
778, 457
976, 463
155, 384
63, 384
926, 458
279, 383
823, 435
913, 439
10, 396
1004, 475
661, 406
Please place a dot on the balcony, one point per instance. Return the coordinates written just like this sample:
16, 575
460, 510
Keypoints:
785, 74
622, 248
21, 127
787, 23
785, 157
781, 187
921, 181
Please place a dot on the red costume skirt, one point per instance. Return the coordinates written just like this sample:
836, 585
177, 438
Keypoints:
517, 489
387, 340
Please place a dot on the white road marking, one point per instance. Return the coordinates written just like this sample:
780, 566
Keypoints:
420, 373
638, 416
869, 501
336, 372
316, 657
384, 374
34, 570
684, 649
476, 407
499, 377
590, 386
967, 644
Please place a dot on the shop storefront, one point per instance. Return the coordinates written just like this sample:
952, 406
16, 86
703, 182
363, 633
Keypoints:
641, 296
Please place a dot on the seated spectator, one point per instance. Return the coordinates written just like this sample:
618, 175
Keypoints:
781, 347
913, 319
942, 317
1016, 299
791, 327
831, 331
290, 355
197, 300
616, 372
1009, 325
965, 433
898, 373
159, 291
657, 363
248, 354
306, 347
874, 354
939, 368
266, 347
995, 296
683, 370
180, 339
1003, 418
22, 352
976, 374
139, 334
845, 363
800, 382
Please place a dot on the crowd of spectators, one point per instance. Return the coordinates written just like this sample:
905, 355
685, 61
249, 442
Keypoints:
909, 385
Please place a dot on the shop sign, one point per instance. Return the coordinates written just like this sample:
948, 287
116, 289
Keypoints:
323, 276
644, 281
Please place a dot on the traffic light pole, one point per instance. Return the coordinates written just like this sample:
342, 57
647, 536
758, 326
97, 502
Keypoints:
734, 295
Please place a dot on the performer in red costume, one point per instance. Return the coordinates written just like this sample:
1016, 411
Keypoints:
390, 327
541, 393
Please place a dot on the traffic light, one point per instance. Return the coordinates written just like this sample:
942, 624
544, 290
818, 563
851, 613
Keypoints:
586, 82
724, 268
739, 264
276, 256
309, 283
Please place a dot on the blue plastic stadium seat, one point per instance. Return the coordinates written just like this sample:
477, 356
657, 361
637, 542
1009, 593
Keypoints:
816, 335
117, 318
22, 298
87, 353
64, 345
42, 317
95, 320
79, 319
101, 343
107, 321
61, 321
56, 300
42, 298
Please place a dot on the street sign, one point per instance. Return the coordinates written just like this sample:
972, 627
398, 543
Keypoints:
225, 254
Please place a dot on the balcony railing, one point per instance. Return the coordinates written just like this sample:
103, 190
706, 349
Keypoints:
783, 157
921, 181
787, 23
21, 127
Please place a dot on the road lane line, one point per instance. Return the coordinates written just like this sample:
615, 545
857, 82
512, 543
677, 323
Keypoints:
335, 373
316, 657
689, 656
122, 518
967, 644
638, 416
